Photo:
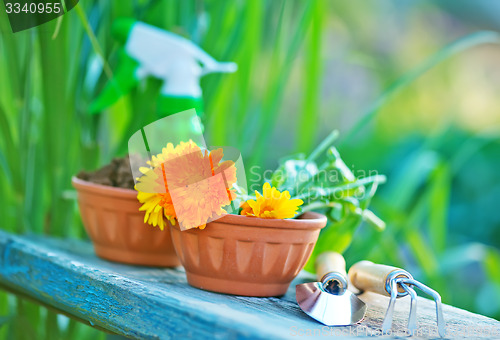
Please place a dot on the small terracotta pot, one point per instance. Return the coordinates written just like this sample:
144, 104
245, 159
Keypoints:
247, 256
116, 227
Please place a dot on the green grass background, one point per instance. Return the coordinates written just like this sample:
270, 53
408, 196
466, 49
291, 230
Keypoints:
411, 85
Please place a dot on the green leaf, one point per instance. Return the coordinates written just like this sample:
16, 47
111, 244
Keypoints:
280, 73
335, 237
440, 187
307, 126
491, 264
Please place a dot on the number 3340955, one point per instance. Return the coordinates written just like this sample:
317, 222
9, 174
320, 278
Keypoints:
33, 8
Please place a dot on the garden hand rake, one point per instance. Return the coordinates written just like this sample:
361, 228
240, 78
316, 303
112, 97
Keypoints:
395, 282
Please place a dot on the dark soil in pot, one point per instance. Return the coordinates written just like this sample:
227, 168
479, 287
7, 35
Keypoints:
116, 174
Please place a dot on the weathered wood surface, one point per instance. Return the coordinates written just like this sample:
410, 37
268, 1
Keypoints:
150, 303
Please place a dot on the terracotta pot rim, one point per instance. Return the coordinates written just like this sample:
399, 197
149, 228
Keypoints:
308, 220
101, 189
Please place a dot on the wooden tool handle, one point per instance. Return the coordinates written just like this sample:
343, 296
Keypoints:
368, 276
330, 262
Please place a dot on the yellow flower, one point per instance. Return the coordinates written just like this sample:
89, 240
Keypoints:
187, 185
156, 206
271, 204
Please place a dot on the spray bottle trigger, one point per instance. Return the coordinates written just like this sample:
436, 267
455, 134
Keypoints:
124, 79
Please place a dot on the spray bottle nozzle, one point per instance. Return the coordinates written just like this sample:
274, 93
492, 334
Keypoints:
222, 67
161, 54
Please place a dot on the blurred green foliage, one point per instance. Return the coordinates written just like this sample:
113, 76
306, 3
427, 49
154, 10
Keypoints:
305, 68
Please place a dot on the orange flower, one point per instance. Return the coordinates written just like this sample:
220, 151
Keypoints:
246, 210
186, 184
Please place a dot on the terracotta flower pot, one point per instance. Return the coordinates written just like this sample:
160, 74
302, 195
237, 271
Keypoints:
116, 227
247, 256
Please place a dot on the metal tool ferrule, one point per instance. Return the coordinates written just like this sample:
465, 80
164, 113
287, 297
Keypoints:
334, 277
399, 273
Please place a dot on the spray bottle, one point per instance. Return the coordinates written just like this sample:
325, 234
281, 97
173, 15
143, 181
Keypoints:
151, 51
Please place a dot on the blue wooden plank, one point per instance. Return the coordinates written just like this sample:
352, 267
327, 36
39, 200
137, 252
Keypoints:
133, 301
150, 303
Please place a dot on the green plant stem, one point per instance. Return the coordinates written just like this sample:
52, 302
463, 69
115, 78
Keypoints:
325, 144
328, 192
320, 149
319, 205
93, 40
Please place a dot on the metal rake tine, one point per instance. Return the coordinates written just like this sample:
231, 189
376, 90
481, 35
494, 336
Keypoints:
412, 318
387, 324
437, 299
440, 317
